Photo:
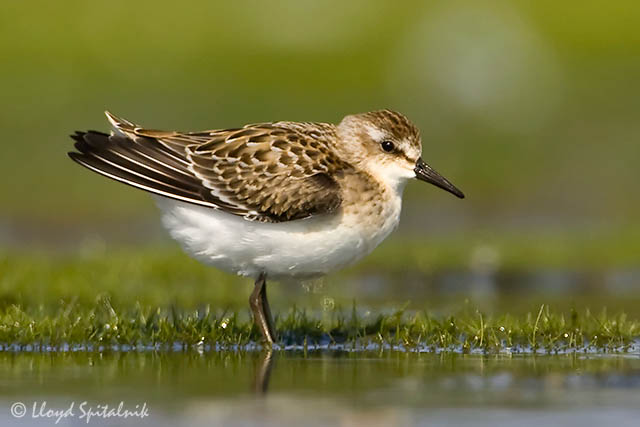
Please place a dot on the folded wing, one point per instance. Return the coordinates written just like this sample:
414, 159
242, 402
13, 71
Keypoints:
270, 172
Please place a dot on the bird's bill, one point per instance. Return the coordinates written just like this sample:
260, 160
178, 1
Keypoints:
425, 173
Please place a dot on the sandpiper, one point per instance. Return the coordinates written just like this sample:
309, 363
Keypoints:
278, 200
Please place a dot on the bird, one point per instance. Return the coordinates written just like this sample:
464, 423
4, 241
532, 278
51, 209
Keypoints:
280, 200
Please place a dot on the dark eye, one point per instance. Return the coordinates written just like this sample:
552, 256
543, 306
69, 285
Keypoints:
388, 146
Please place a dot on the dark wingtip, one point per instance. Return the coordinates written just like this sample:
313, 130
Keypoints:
459, 194
74, 156
77, 136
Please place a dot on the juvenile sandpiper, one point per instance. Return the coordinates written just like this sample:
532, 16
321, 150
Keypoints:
279, 200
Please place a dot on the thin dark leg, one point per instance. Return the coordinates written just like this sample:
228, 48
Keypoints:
260, 309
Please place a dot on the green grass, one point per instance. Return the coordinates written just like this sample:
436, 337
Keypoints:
159, 297
105, 327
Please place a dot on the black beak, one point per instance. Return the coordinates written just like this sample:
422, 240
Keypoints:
425, 173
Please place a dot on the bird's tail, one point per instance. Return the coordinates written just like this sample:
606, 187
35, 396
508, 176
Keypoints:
142, 162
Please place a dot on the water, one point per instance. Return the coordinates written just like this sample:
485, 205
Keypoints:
319, 388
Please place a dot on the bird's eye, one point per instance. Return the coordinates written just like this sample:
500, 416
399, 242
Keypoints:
387, 146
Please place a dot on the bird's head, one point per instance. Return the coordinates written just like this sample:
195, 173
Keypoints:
388, 146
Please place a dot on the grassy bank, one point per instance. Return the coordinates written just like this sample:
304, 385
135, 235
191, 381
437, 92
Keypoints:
105, 327
160, 297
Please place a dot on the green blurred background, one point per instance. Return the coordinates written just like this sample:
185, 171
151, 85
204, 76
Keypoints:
532, 108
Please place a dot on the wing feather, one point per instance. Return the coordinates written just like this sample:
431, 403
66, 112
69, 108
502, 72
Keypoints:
266, 172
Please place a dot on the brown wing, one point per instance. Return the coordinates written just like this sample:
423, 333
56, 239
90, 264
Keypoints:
267, 172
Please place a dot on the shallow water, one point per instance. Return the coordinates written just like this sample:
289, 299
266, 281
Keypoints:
316, 388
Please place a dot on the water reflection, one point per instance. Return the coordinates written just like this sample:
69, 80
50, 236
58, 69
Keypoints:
263, 372
335, 387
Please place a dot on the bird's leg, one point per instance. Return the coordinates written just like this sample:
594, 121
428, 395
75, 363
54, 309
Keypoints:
260, 309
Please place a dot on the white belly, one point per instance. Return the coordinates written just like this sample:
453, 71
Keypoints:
301, 249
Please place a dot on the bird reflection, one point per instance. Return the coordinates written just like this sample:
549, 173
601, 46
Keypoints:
263, 372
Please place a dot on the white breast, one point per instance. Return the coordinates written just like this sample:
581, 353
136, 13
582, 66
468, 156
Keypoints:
296, 249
